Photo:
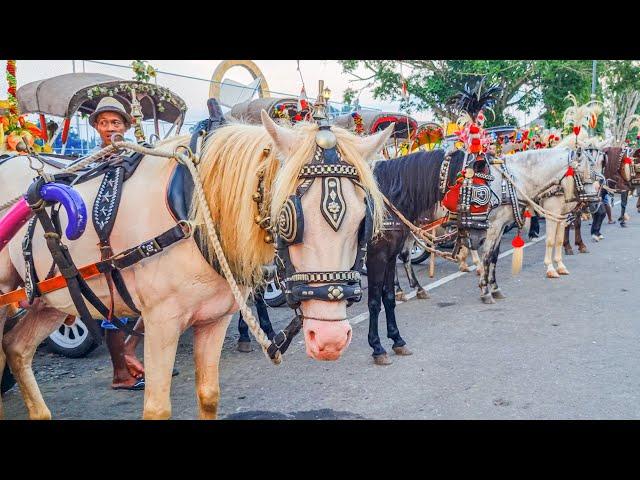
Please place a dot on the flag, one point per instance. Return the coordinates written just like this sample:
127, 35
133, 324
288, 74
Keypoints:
303, 103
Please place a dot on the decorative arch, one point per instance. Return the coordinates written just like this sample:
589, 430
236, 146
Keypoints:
251, 67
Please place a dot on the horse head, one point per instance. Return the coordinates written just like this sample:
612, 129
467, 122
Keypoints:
326, 206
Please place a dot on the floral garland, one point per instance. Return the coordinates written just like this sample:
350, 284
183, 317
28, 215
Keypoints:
163, 94
143, 71
359, 123
14, 128
290, 113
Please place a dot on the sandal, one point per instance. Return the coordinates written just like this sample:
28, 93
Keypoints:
139, 385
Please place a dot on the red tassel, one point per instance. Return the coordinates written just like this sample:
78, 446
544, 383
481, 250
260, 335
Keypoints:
570, 172
517, 241
627, 160
474, 129
527, 214
576, 130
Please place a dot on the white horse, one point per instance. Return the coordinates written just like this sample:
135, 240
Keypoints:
533, 171
178, 288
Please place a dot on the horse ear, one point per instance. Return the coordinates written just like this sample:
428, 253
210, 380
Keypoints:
367, 146
284, 139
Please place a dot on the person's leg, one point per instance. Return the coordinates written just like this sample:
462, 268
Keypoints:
131, 343
534, 229
598, 218
114, 339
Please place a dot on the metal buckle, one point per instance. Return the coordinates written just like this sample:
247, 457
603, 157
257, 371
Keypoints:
187, 228
149, 248
283, 342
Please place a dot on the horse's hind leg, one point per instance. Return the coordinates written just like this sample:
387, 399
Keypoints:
493, 284
3, 317
389, 301
399, 293
162, 333
566, 244
413, 279
207, 345
20, 345
462, 259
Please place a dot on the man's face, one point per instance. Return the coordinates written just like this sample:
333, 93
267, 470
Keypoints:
109, 123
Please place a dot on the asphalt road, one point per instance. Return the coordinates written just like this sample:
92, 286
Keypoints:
562, 348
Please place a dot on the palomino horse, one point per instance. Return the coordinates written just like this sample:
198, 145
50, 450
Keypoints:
533, 171
412, 185
178, 288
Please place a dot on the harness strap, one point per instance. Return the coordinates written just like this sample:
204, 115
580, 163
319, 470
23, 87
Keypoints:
122, 260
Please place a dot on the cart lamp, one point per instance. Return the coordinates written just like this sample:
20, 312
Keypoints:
326, 93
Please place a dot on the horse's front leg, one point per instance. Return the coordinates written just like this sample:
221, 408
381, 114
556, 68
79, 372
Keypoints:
389, 301
162, 332
476, 261
462, 259
3, 317
207, 346
20, 345
550, 241
562, 269
493, 284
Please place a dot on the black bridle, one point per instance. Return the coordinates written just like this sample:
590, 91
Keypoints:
334, 286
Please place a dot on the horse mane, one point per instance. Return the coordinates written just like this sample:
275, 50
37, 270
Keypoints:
231, 159
411, 182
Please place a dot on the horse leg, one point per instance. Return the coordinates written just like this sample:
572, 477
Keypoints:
20, 345
493, 284
493, 239
374, 303
160, 345
462, 259
476, 261
3, 317
562, 269
624, 196
207, 346
550, 241
582, 248
389, 301
566, 244
399, 293
421, 293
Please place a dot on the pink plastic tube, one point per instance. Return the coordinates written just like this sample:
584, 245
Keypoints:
13, 220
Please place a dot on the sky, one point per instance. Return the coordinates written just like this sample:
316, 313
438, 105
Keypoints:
281, 75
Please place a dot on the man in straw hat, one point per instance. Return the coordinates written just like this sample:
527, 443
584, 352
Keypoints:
111, 117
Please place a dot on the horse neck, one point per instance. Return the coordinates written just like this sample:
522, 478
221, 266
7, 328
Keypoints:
534, 170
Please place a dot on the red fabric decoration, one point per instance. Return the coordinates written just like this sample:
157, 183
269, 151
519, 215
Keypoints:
475, 141
474, 129
570, 172
627, 160
527, 214
576, 130
517, 241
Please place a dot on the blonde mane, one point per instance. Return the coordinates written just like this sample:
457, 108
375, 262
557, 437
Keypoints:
230, 162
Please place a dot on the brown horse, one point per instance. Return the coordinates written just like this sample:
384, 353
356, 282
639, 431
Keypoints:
179, 287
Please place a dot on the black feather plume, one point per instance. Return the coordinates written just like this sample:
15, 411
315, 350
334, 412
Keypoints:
473, 99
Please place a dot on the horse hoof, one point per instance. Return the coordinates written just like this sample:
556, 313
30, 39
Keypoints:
498, 294
479, 272
563, 271
244, 347
382, 359
583, 249
568, 251
402, 350
464, 268
552, 274
488, 298
422, 295
401, 297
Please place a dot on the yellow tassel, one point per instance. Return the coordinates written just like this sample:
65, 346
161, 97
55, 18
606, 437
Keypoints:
1, 136
516, 261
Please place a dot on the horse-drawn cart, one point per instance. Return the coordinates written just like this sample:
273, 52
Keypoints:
64, 96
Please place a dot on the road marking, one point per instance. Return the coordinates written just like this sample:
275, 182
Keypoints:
438, 283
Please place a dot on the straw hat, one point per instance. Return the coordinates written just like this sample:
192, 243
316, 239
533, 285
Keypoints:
110, 104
